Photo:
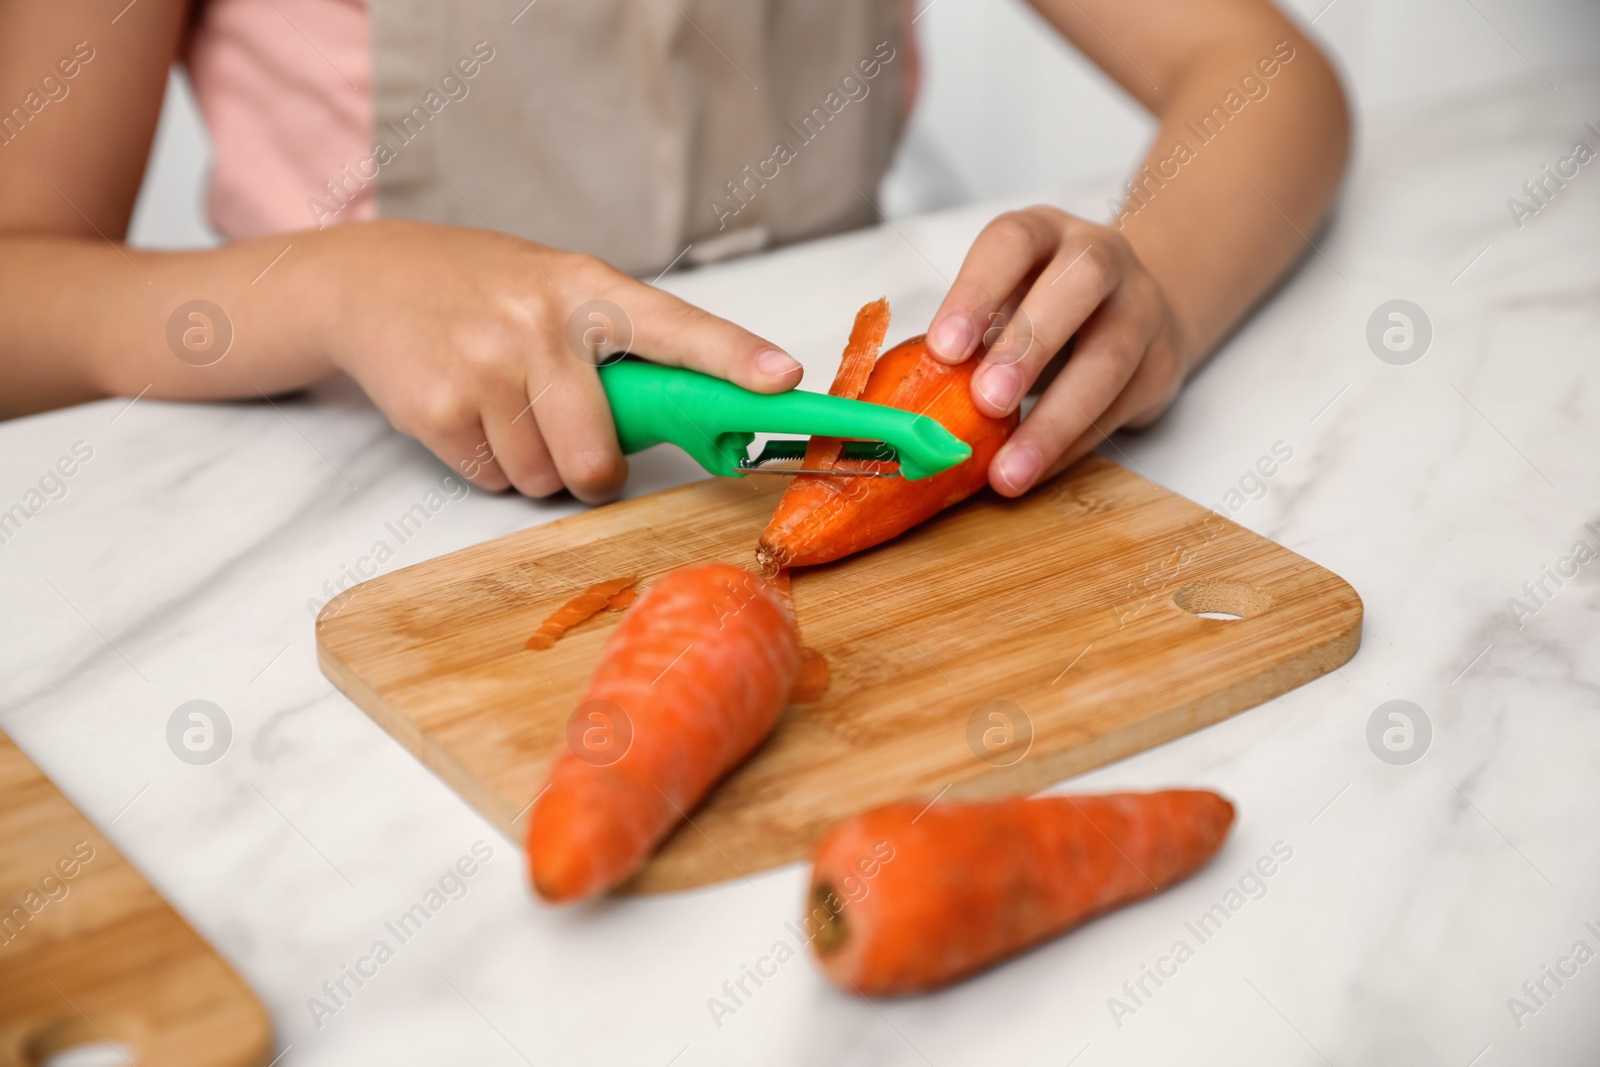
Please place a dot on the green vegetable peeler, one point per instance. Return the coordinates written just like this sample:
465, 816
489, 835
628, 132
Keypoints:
716, 421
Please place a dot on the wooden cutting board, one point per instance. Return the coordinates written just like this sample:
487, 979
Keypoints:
996, 649
91, 955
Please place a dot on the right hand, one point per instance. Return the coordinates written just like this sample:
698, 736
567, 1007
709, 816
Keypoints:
467, 341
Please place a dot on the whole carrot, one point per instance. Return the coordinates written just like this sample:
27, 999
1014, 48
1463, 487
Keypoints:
689, 684
825, 517
906, 898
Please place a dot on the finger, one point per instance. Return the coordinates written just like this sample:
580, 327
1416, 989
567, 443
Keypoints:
466, 448
1005, 253
665, 329
1121, 414
1107, 355
1143, 400
575, 424
518, 446
1083, 273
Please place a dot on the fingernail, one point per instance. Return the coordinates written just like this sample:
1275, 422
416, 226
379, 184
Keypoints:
1019, 467
952, 338
776, 364
999, 384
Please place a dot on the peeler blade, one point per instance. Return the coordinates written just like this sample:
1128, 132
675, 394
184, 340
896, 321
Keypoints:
787, 448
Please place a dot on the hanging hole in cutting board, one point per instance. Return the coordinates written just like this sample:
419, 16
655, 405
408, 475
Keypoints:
98, 1054
1228, 601
76, 1042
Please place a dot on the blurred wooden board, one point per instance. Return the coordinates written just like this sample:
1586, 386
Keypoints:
90, 954
1075, 607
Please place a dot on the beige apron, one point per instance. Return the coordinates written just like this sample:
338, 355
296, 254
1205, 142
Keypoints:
633, 129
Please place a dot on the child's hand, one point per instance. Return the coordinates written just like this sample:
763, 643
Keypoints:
1030, 281
482, 348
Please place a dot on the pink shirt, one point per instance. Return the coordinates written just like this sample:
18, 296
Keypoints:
285, 87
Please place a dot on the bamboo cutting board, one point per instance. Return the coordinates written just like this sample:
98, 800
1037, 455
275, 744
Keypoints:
998, 648
91, 955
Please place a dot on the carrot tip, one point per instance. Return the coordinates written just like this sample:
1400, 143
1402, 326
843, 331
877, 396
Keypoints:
769, 561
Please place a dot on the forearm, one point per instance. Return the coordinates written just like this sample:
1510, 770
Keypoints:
1241, 172
85, 319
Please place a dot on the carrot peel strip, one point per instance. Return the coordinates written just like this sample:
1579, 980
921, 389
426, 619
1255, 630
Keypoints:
855, 367
814, 677
812, 681
580, 609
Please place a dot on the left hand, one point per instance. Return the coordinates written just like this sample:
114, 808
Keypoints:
1032, 280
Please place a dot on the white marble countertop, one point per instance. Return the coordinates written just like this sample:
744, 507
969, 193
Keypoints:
1418, 898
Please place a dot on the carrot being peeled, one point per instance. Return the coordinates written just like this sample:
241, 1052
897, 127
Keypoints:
693, 679
855, 367
906, 898
587, 604
821, 518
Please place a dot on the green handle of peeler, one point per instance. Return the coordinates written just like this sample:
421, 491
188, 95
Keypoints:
715, 421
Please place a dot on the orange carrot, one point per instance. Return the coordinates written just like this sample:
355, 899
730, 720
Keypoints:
692, 680
825, 517
620, 600
907, 898
855, 366
579, 609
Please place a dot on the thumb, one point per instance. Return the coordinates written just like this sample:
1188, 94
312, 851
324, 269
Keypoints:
664, 329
